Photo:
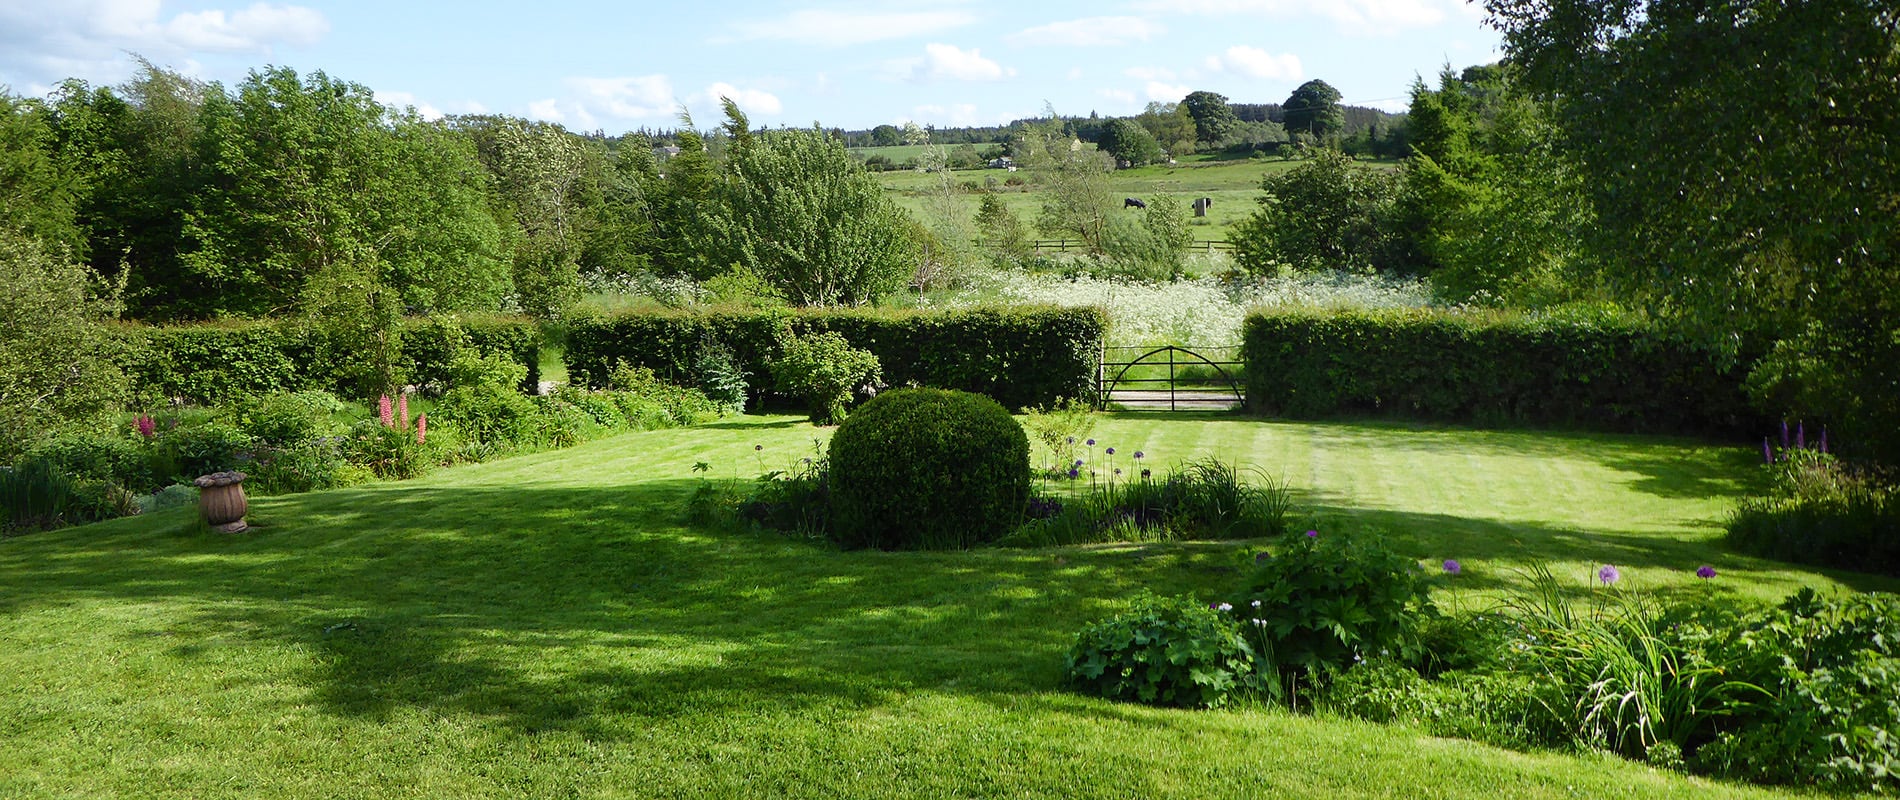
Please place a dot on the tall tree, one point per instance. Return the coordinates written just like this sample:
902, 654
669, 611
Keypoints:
1213, 119
1743, 157
1127, 141
39, 196
1313, 109
56, 365
1076, 196
801, 212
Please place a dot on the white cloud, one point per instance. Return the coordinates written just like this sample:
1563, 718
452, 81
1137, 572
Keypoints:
751, 101
251, 29
953, 63
1357, 17
838, 28
1089, 32
1150, 73
635, 97
1166, 92
1254, 62
548, 110
401, 100
1121, 96
44, 42
1075, 73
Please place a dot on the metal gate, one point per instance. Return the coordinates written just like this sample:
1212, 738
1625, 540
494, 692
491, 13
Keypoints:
1170, 378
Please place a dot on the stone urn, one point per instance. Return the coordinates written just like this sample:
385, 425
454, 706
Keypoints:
221, 500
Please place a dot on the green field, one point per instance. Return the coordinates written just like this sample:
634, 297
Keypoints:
1233, 185
546, 626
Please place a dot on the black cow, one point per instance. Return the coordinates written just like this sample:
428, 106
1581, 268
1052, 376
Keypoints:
1133, 203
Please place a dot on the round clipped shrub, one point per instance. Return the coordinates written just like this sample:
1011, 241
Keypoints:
927, 469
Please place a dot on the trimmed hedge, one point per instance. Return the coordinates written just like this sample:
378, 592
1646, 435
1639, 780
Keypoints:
217, 362
1021, 357
927, 469
1493, 368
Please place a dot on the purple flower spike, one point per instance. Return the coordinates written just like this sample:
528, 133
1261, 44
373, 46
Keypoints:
1801, 436
1312, 534
1784, 433
1705, 572
1452, 567
1823, 438
1609, 574
1767, 453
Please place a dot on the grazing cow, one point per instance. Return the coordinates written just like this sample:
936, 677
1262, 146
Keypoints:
1133, 203
1201, 205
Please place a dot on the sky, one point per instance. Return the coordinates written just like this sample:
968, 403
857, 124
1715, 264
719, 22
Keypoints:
622, 65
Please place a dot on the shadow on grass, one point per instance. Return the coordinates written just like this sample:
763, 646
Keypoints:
594, 609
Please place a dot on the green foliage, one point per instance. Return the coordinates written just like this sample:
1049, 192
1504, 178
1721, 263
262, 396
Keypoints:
188, 451
1156, 247
1498, 708
1496, 207
391, 452
1127, 141
1758, 191
1326, 213
1163, 651
1205, 499
1214, 121
826, 371
39, 197
797, 500
799, 210
1313, 109
927, 469
310, 179
1061, 427
1596, 371
310, 464
1021, 356
637, 386
234, 361
999, 232
1077, 202
1821, 511
56, 352
95, 457
1325, 601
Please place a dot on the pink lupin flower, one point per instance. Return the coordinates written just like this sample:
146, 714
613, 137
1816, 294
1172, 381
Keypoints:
422, 429
385, 413
147, 427
402, 406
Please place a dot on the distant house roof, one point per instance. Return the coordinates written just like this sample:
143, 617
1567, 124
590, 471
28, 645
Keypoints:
666, 150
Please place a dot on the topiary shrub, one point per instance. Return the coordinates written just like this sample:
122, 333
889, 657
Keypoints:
927, 469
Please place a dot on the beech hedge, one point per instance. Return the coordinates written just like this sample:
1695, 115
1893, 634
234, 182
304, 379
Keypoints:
1020, 356
1597, 372
217, 362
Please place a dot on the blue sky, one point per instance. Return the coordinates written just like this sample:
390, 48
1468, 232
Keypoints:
616, 66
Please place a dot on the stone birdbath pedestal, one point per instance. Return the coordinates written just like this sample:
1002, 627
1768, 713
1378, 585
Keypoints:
221, 500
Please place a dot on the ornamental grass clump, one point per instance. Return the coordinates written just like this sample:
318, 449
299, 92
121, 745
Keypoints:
927, 469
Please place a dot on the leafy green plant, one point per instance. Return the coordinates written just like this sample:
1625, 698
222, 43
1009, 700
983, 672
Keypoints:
682, 406
1325, 601
1204, 499
194, 450
1171, 651
1061, 427
825, 370
927, 469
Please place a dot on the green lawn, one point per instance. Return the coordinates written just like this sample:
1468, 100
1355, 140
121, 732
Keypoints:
544, 626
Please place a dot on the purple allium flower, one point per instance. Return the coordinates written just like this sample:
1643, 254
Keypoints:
1262, 556
1118, 470
1139, 454
1078, 462
1705, 572
1146, 472
1609, 574
757, 447
1312, 534
1074, 473
1111, 451
1453, 567
1071, 440
1091, 443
